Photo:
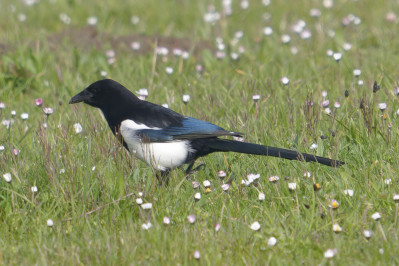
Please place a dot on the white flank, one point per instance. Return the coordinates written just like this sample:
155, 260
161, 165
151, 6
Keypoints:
161, 155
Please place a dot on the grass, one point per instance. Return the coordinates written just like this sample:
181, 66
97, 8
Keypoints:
96, 218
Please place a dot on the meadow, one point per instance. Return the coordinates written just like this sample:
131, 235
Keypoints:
315, 76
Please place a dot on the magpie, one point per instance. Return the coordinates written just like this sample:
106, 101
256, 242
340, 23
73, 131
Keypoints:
165, 139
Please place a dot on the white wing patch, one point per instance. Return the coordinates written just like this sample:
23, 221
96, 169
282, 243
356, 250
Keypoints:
161, 155
131, 125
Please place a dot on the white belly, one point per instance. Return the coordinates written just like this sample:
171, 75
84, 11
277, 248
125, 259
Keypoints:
160, 155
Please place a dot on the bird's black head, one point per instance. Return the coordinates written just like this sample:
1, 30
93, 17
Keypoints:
102, 93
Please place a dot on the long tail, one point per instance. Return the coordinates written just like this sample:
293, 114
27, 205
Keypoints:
251, 148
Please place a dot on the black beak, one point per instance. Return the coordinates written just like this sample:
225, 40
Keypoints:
82, 96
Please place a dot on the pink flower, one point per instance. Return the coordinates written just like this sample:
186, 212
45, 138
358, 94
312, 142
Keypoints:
390, 17
221, 174
38, 101
198, 68
191, 218
325, 103
225, 187
217, 227
195, 184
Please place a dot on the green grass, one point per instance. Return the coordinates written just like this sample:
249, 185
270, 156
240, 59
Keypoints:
96, 219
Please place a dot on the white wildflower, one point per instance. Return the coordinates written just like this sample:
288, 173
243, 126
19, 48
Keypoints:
146, 226
261, 196
285, 38
285, 80
327, 110
272, 241
92, 21
50, 223
274, 179
78, 128
348, 192
7, 177
292, 186
255, 226
134, 20
135, 46
267, 31
367, 234
376, 216
337, 228
313, 146
337, 56
330, 253
197, 196
139, 201
357, 72
186, 98
24, 116
382, 106
146, 206
166, 220
256, 97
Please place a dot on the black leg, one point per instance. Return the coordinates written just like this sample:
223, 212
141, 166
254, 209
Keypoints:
190, 169
163, 177
190, 166
199, 167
